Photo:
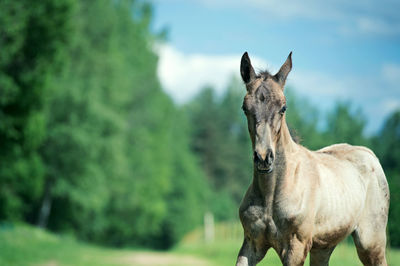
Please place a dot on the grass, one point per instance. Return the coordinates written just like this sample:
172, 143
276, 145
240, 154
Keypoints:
228, 240
224, 253
25, 245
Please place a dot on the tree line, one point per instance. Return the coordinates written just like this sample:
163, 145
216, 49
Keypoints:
91, 145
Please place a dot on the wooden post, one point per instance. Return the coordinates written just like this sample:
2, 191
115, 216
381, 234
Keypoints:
208, 227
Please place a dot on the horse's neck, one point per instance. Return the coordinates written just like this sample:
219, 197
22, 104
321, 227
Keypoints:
266, 185
285, 142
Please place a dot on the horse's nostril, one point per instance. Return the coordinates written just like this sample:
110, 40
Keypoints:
270, 156
256, 157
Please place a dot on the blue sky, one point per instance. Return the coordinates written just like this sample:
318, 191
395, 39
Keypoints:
342, 50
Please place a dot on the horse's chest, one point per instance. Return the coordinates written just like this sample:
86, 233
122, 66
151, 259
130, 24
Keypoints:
255, 220
263, 221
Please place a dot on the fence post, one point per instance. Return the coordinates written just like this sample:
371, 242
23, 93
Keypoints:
208, 227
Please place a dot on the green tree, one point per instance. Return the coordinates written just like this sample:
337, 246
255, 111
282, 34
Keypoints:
387, 143
303, 120
114, 151
190, 193
387, 147
346, 125
33, 37
220, 140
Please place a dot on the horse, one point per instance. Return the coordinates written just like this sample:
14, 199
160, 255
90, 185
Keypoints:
302, 201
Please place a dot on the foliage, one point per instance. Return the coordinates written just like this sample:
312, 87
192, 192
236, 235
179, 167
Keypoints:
32, 42
303, 120
387, 146
346, 125
220, 140
120, 137
99, 150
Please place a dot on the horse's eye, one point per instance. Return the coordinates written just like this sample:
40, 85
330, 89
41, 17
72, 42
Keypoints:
283, 109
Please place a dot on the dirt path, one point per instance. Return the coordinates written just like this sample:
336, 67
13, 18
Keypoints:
159, 258
131, 258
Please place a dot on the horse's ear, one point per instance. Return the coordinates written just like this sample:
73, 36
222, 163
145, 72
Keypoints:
246, 69
284, 71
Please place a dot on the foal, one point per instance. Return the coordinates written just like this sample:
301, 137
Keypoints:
304, 201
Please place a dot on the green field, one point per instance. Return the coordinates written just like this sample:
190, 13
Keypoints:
25, 245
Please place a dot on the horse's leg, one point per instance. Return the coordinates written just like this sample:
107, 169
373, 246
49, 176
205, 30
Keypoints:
370, 233
320, 257
371, 245
295, 252
251, 253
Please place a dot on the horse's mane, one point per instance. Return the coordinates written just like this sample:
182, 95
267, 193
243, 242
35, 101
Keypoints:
295, 135
265, 74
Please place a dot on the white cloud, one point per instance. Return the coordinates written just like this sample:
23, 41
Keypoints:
183, 75
318, 84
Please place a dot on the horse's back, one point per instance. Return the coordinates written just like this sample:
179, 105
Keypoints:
360, 157
365, 162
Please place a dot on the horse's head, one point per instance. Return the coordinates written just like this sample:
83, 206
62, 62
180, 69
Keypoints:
264, 106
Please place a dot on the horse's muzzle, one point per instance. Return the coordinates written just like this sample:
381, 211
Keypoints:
264, 165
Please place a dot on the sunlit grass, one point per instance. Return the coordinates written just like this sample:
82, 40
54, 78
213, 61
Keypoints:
26, 245
225, 253
224, 250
